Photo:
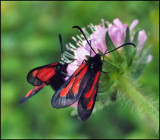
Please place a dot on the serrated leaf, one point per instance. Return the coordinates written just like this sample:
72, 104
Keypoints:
110, 46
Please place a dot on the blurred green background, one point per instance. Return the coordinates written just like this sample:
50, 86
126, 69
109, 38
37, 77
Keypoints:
30, 38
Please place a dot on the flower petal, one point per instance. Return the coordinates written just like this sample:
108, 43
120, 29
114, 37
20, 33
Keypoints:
149, 59
75, 104
142, 37
71, 68
80, 54
117, 32
120, 25
116, 35
133, 24
98, 37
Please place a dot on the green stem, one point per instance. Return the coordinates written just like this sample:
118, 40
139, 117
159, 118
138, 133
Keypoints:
138, 99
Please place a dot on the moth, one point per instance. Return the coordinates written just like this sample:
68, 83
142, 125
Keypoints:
82, 85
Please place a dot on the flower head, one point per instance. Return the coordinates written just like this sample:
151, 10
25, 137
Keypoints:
117, 33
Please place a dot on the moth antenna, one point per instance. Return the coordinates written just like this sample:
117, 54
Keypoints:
90, 49
84, 37
61, 45
132, 44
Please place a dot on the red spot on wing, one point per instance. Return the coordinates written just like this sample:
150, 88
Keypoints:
65, 90
75, 87
35, 88
90, 104
45, 74
29, 93
88, 94
79, 68
54, 64
35, 73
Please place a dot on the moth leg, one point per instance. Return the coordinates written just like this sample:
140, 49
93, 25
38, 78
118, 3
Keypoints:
65, 74
105, 72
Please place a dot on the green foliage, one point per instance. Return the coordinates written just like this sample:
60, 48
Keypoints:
116, 58
128, 51
30, 38
138, 68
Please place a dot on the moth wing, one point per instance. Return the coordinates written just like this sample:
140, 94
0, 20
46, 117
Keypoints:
31, 93
87, 101
42, 74
72, 89
59, 78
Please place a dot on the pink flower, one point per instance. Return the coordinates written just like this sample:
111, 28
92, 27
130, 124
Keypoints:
117, 33
98, 37
75, 104
133, 24
142, 37
131, 27
71, 68
149, 59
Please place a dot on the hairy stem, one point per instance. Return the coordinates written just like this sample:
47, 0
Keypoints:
138, 99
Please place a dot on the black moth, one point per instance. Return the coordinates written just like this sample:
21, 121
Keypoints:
82, 85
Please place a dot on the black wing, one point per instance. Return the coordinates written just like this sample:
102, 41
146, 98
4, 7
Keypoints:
31, 93
42, 74
72, 89
88, 98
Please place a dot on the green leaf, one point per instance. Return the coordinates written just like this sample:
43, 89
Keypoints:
99, 52
127, 39
87, 56
105, 83
108, 66
135, 39
128, 51
107, 79
110, 46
